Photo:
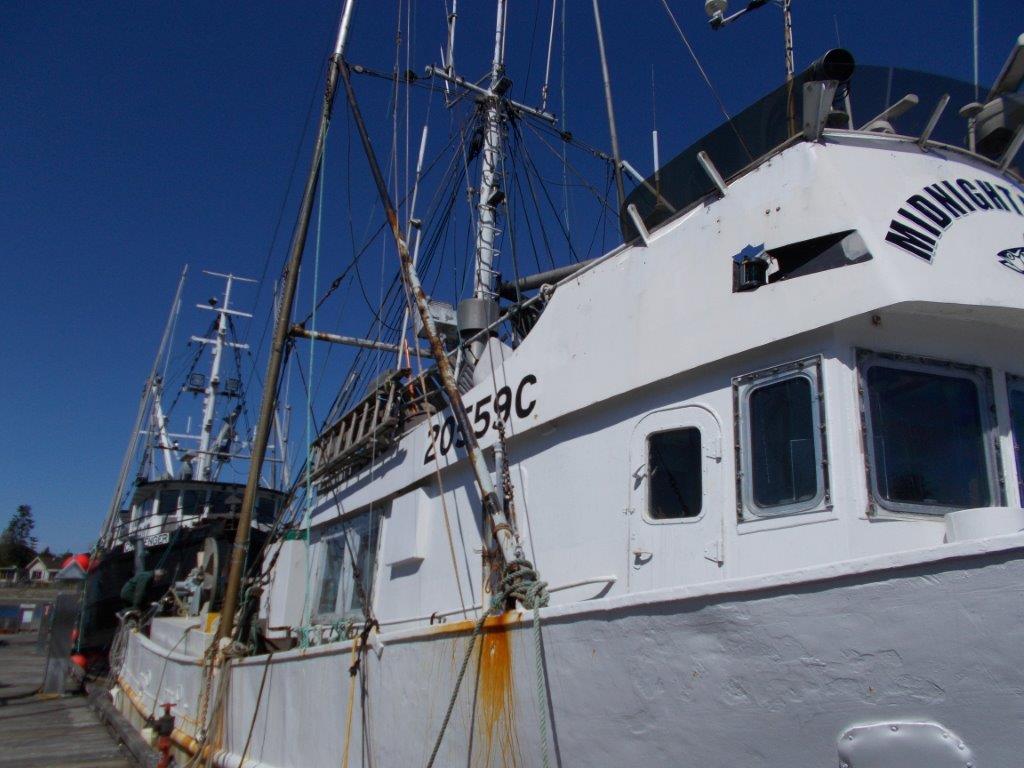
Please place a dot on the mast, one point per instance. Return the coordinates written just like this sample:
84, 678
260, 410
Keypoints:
160, 428
511, 549
490, 159
149, 390
204, 462
273, 375
619, 189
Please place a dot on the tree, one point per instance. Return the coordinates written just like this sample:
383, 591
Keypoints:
17, 544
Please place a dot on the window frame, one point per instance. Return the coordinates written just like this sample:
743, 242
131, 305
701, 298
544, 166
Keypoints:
1015, 383
878, 506
809, 368
334, 530
647, 496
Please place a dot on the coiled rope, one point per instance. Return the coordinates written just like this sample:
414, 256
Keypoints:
521, 583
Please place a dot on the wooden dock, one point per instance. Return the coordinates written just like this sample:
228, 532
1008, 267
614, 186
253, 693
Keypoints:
38, 732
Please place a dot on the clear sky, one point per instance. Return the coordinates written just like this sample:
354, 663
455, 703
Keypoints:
138, 136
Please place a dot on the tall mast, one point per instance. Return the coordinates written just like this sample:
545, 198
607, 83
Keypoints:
273, 375
487, 230
150, 390
204, 462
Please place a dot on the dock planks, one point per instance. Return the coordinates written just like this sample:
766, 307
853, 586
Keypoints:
37, 732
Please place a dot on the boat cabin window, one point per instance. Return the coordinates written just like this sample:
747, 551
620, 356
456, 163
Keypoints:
781, 441
1015, 391
674, 471
168, 502
192, 502
927, 425
348, 558
266, 510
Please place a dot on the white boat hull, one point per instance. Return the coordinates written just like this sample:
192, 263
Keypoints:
762, 671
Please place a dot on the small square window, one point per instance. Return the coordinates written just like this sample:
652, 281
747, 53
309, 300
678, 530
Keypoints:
674, 469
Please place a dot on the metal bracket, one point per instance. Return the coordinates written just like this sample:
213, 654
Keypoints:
896, 744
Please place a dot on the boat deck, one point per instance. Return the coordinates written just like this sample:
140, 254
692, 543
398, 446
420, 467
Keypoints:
36, 731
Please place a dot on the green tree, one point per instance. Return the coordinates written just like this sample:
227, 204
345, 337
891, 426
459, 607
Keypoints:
17, 544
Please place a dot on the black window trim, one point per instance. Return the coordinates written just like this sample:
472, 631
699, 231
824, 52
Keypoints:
809, 368
981, 376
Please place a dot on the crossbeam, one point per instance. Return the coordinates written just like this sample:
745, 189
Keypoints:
474, 88
297, 331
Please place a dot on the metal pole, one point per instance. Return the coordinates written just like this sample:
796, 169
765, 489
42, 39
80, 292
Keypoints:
787, 21
974, 46
270, 382
147, 392
408, 233
490, 159
352, 341
212, 386
511, 550
611, 110
787, 24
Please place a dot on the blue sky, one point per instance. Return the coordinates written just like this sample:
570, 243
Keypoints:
135, 137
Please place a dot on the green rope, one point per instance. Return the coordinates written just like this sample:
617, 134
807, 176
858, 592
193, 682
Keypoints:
521, 583
310, 635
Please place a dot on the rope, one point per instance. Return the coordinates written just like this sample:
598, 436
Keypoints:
256, 711
351, 707
521, 583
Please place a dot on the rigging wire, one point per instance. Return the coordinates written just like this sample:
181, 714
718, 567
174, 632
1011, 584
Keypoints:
703, 74
308, 506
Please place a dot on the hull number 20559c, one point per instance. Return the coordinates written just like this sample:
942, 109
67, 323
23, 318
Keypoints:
485, 414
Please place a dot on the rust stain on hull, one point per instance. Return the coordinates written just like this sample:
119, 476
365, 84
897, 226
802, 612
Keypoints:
496, 742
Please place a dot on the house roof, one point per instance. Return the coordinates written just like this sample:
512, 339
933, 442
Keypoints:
49, 561
73, 571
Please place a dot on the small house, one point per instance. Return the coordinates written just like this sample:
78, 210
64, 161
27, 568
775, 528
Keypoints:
43, 568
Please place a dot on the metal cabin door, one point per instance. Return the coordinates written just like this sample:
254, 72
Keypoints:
676, 497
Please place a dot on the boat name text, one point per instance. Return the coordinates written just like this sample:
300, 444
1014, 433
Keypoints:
924, 216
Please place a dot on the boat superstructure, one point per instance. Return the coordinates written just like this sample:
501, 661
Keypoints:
179, 503
757, 468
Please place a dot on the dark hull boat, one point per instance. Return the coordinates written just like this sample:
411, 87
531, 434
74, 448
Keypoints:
173, 552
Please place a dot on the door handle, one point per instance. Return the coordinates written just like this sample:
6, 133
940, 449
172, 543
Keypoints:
641, 557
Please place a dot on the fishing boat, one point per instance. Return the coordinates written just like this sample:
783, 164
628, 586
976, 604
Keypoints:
179, 508
745, 489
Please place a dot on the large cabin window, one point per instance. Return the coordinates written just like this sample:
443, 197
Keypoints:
674, 469
1015, 392
927, 428
348, 561
781, 441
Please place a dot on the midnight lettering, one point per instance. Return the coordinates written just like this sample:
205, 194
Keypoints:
910, 240
924, 216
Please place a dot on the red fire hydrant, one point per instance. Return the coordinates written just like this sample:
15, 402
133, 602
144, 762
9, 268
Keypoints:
164, 729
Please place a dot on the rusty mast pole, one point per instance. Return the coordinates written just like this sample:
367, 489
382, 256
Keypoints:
273, 375
511, 550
